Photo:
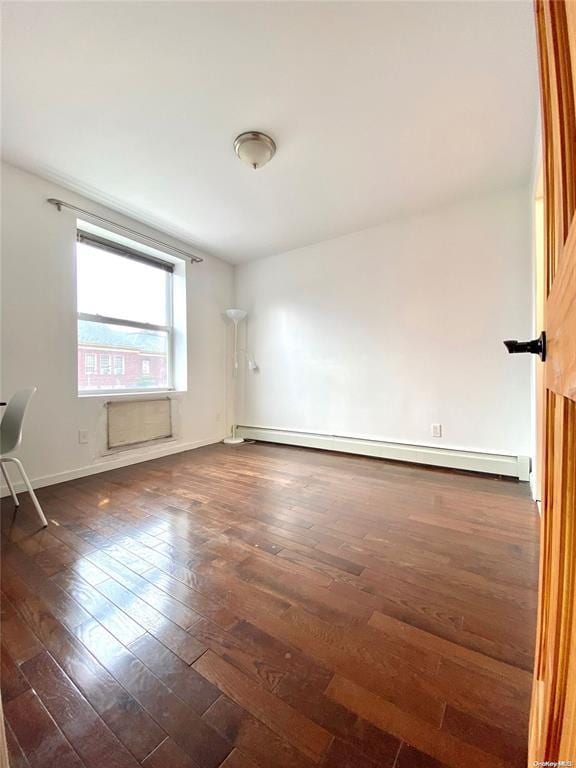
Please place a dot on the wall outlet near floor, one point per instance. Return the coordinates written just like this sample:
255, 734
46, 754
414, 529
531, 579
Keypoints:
83, 436
436, 430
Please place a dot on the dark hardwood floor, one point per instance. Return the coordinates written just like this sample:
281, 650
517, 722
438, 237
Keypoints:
274, 607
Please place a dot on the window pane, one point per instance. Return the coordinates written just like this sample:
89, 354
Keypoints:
89, 362
120, 357
105, 366
114, 286
119, 364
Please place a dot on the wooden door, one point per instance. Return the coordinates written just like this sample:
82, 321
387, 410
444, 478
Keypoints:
553, 716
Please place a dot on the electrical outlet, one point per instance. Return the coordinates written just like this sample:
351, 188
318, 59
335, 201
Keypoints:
83, 436
218, 416
436, 430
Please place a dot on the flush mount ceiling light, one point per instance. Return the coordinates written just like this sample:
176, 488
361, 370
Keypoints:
254, 148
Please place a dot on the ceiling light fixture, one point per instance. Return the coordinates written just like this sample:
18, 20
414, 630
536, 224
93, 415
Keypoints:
254, 148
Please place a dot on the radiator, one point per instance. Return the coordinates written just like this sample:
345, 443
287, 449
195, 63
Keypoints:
133, 422
454, 458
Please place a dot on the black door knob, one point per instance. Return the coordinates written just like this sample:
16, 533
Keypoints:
534, 347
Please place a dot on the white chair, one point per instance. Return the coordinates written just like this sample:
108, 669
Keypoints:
10, 439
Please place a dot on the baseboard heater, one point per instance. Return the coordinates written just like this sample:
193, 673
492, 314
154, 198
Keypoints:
136, 422
471, 461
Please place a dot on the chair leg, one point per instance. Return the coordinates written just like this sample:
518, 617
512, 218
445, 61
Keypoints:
9, 484
30, 490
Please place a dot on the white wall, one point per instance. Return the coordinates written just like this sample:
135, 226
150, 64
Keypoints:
380, 333
39, 335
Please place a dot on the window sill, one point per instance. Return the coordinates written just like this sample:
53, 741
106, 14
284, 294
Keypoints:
134, 394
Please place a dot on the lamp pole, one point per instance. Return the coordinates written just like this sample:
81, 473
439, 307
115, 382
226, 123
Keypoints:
236, 315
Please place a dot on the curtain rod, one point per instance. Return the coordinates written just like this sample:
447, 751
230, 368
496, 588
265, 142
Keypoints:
61, 204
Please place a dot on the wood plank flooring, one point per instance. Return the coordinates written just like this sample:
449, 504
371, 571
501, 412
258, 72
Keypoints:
270, 607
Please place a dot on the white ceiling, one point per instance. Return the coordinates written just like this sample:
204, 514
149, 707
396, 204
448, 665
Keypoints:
378, 109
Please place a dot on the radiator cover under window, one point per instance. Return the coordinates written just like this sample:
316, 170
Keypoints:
132, 422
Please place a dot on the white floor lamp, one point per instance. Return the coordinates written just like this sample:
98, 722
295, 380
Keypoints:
236, 315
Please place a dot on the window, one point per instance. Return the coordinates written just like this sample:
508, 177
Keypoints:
105, 365
89, 363
124, 312
119, 369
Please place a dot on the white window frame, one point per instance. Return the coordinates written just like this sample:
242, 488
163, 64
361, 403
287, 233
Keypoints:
94, 365
105, 369
118, 365
132, 253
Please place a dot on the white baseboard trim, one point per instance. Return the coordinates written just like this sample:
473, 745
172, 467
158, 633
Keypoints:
107, 463
471, 461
